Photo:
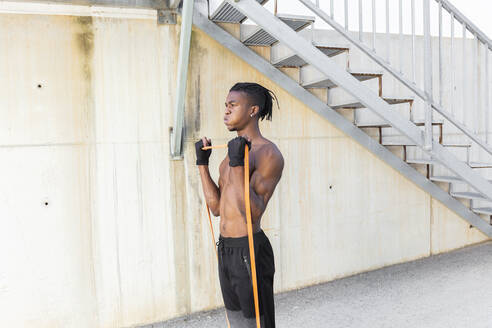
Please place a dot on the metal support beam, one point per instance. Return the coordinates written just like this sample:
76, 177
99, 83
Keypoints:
409, 84
427, 76
184, 54
327, 66
322, 109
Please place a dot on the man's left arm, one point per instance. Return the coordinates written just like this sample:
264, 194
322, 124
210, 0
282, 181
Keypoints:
263, 182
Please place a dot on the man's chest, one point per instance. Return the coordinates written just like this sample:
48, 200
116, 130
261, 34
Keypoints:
225, 171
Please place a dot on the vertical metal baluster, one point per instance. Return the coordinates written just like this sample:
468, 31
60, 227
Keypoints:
453, 69
374, 25
387, 32
360, 20
413, 42
312, 25
400, 36
487, 90
463, 78
275, 7
440, 53
476, 109
346, 14
332, 9
427, 76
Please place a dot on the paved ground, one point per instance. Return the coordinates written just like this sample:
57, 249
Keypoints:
448, 290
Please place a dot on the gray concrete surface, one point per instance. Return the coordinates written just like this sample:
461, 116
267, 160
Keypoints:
448, 290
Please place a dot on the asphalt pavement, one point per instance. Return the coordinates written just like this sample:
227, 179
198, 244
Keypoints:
443, 291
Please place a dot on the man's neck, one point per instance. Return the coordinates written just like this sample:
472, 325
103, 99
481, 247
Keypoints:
251, 131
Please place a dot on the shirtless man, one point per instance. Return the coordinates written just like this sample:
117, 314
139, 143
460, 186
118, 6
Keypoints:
245, 105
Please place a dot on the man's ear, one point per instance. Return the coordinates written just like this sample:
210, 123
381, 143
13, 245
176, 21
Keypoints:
255, 111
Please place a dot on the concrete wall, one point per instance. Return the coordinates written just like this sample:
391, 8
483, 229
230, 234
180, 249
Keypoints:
99, 228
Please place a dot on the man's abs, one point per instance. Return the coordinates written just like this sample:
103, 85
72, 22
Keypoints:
232, 217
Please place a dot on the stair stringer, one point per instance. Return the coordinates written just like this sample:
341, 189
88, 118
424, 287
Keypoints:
322, 109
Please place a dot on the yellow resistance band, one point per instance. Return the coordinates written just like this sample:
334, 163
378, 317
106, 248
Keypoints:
250, 231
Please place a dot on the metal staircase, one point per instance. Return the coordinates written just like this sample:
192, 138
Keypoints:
318, 68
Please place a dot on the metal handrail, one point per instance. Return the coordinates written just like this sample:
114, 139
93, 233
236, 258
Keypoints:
183, 58
462, 19
379, 60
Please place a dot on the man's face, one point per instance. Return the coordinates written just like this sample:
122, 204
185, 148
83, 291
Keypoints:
236, 113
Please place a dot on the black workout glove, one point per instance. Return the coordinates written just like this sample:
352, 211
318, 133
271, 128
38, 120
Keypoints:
235, 150
202, 155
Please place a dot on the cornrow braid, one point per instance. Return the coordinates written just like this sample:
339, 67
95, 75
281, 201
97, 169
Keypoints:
258, 95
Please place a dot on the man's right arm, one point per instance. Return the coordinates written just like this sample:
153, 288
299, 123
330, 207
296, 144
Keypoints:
210, 189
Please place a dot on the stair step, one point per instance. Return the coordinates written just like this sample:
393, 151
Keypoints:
387, 125
443, 178
480, 165
226, 13
450, 179
483, 210
421, 161
468, 195
293, 60
260, 37
325, 82
473, 165
411, 144
356, 105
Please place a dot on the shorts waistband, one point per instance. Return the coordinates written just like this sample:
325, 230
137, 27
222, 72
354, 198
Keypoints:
258, 238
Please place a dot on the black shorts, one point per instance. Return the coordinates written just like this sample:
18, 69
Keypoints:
235, 280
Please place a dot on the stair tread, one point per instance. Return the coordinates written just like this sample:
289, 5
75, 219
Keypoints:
385, 125
483, 210
432, 162
293, 60
468, 195
325, 82
260, 37
421, 161
445, 178
480, 164
449, 178
226, 13
357, 104
422, 121
411, 144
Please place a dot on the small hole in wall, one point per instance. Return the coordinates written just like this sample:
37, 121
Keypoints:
46, 203
331, 187
39, 86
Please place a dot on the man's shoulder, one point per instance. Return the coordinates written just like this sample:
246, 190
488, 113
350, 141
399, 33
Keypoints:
271, 153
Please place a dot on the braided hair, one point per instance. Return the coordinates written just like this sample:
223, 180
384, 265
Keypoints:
258, 95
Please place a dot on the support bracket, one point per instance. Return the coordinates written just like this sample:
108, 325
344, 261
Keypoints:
167, 16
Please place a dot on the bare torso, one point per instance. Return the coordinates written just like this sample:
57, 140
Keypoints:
232, 213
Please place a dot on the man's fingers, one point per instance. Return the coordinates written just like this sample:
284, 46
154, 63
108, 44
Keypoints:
205, 141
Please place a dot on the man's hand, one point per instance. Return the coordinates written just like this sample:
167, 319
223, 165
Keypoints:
202, 155
235, 150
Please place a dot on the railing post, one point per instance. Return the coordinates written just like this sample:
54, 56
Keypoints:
345, 10
487, 91
184, 53
427, 76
